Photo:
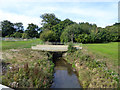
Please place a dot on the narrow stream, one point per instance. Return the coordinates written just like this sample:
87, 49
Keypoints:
64, 76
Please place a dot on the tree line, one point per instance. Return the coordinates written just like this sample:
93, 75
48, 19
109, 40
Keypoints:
16, 30
56, 30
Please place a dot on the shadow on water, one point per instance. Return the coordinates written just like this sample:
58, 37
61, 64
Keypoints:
64, 76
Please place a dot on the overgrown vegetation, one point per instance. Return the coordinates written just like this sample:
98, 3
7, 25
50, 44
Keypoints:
71, 48
93, 73
28, 68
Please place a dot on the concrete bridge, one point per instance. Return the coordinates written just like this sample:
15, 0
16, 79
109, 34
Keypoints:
53, 48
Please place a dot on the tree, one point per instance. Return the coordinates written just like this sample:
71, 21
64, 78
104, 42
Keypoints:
59, 28
25, 36
0, 33
47, 36
32, 30
19, 27
85, 27
17, 35
64, 37
70, 33
49, 20
7, 28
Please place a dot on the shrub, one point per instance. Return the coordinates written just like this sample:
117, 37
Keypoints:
17, 35
47, 36
25, 36
71, 48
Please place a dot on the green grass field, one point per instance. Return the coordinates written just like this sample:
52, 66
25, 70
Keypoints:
108, 51
19, 44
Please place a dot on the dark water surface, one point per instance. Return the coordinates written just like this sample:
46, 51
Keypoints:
64, 76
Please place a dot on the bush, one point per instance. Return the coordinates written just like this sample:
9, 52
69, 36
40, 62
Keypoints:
25, 36
47, 36
71, 48
17, 35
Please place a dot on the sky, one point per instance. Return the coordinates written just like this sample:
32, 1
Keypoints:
100, 12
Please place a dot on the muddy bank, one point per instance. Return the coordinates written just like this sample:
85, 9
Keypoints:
27, 68
93, 73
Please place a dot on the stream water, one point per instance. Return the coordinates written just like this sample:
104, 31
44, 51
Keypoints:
64, 76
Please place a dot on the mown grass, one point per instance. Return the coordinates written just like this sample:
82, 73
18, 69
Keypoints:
20, 44
108, 51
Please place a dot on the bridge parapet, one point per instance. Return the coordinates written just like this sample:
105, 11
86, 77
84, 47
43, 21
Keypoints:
53, 48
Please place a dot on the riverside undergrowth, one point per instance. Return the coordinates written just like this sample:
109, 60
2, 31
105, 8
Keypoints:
28, 69
93, 72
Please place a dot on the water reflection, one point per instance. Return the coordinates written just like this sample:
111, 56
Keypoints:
64, 77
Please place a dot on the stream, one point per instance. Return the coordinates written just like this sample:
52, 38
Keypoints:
64, 76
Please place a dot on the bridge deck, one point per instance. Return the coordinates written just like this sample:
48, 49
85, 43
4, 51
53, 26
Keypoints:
53, 47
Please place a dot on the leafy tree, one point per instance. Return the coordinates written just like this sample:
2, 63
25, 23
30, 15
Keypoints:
59, 28
85, 27
7, 28
25, 36
0, 33
49, 20
70, 33
113, 31
19, 27
64, 37
32, 30
17, 35
83, 38
47, 36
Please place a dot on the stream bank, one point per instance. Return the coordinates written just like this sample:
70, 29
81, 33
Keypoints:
27, 68
93, 73
24, 65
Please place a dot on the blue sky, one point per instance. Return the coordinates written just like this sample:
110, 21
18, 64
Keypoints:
100, 12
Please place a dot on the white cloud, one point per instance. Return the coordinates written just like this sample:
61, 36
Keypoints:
27, 12
19, 18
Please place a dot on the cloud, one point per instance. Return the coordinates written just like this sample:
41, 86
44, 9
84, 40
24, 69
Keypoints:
19, 18
29, 11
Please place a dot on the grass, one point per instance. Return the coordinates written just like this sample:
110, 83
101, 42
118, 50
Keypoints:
19, 44
92, 72
108, 51
29, 68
